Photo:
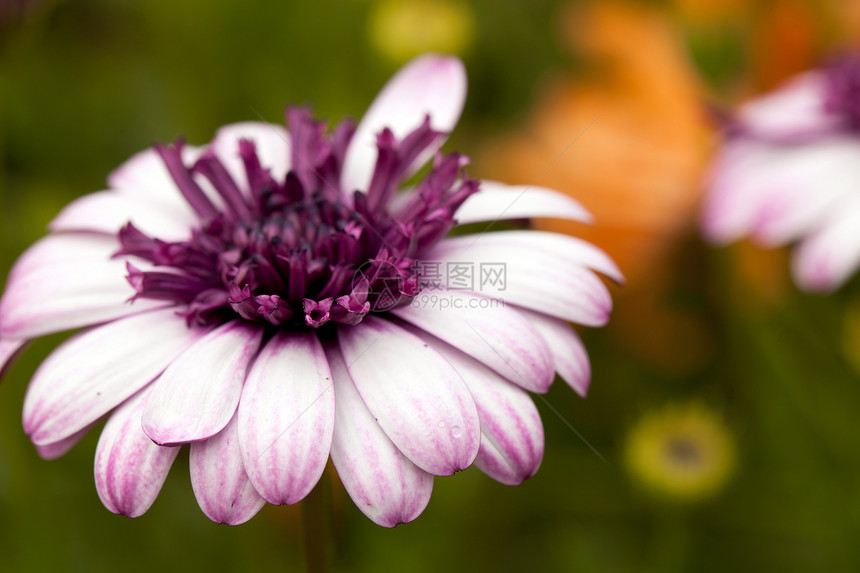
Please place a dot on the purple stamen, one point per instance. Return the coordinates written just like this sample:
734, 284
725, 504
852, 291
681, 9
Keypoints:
172, 157
260, 180
272, 310
214, 171
386, 176
293, 253
317, 313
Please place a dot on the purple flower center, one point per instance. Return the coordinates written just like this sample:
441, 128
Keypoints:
842, 95
298, 253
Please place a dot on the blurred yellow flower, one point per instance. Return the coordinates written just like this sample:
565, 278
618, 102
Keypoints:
401, 29
681, 452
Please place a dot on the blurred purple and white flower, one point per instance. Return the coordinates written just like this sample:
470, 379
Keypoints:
256, 299
790, 172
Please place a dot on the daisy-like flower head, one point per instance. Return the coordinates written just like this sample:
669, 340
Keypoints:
264, 299
789, 173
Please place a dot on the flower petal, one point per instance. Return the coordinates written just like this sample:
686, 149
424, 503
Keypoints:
828, 258
286, 417
55, 249
511, 431
737, 191
569, 355
792, 112
806, 188
498, 202
272, 145
528, 273
130, 469
56, 449
66, 281
499, 337
778, 193
497, 247
418, 399
219, 481
198, 394
96, 370
9, 350
108, 211
430, 84
383, 483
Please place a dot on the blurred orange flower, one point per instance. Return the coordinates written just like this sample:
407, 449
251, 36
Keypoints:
784, 41
632, 144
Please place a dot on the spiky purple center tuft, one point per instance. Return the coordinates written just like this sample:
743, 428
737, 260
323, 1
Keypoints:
298, 253
842, 95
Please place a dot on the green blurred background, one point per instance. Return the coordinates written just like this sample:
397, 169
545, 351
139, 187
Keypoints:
85, 84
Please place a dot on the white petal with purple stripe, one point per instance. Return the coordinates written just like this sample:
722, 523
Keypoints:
198, 394
286, 417
129, 468
96, 370
419, 400
497, 336
67, 281
383, 483
511, 430
219, 481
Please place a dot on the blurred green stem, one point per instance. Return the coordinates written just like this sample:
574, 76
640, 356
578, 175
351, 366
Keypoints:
316, 527
669, 536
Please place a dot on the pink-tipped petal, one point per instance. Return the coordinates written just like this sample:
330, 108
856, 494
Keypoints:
530, 274
130, 469
271, 142
419, 400
9, 351
66, 281
778, 193
568, 352
108, 211
198, 394
96, 370
503, 245
575, 294
794, 212
286, 417
794, 111
383, 483
512, 441
499, 202
830, 256
219, 481
56, 449
739, 189
499, 337
55, 249
807, 186
430, 84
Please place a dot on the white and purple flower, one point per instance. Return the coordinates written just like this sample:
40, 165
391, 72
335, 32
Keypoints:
256, 299
790, 172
